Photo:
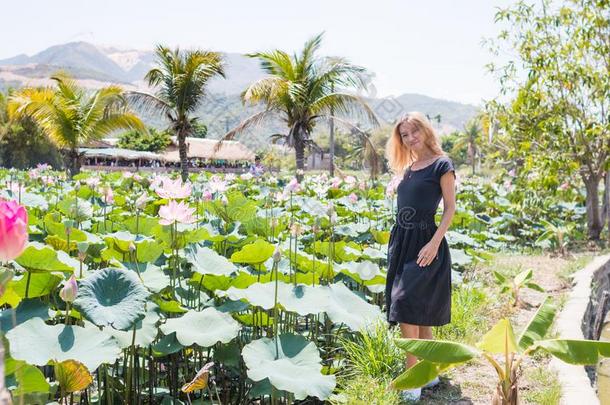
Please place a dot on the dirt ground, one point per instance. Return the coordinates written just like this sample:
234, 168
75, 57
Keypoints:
474, 382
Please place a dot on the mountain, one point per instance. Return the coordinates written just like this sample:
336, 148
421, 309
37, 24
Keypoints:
95, 66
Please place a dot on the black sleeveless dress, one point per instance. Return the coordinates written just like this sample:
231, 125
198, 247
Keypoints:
418, 295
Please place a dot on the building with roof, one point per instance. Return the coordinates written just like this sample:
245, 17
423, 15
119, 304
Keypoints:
232, 156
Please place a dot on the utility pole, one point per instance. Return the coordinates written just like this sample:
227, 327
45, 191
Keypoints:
332, 135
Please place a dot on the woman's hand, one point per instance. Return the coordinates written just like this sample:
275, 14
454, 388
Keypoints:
428, 253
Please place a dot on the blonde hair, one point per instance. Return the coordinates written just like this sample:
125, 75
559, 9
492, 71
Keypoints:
400, 155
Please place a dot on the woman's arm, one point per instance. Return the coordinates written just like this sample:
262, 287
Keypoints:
430, 250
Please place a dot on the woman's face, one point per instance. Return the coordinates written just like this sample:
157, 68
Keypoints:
412, 137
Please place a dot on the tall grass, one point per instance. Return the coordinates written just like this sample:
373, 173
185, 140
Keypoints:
469, 315
373, 352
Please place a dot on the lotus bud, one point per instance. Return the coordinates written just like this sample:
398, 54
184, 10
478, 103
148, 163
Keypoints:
70, 290
275, 222
141, 201
68, 224
295, 229
132, 247
277, 254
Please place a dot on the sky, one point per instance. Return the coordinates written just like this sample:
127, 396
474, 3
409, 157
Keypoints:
430, 47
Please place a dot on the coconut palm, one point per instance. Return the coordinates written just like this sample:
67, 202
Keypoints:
299, 89
180, 78
471, 138
70, 116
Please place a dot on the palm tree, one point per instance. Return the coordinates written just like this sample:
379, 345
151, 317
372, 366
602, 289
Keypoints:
299, 89
471, 138
180, 79
71, 117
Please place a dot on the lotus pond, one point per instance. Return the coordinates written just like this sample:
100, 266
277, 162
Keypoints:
138, 288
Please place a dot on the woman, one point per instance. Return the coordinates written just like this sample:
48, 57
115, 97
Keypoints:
418, 285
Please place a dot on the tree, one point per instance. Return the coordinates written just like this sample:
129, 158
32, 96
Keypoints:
471, 139
152, 140
299, 89
70, 117
558, 116
180, 78
200, 130
22, 145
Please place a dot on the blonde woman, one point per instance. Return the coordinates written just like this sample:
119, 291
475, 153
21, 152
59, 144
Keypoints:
418, 285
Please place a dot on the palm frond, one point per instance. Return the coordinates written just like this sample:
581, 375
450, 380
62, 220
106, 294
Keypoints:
249, 122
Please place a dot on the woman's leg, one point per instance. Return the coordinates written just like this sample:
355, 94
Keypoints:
425, 332
409, 331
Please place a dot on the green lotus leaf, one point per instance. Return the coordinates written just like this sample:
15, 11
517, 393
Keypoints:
40, 284
302, 299
112, 297
254, 253
25, 378
37, 343
145, 329
166, 345
348, 308
38, 257
459, 257
203, 328
296, 360
207, 261
153, 276
27, 309
366, 270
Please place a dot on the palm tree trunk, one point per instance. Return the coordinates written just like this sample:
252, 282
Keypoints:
594, 220
72, 161
183, 155
299, 150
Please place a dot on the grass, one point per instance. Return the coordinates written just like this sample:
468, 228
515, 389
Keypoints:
546, 391
365, 390
469, 313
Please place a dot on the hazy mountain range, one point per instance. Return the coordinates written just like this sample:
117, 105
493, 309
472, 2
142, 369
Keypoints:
95, 66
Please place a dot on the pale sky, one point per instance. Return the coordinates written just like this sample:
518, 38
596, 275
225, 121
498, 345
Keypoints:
428, 47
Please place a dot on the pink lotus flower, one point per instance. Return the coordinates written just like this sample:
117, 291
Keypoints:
564, 186
216, 184
92, 182
353, 198
335, 182
13, 230
293, 185
362, 185
390, 189
176, 212
207, 196
70, 290
349, 180
108, 195
174, 189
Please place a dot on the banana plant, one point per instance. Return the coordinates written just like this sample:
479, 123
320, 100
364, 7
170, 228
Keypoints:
557, 235
514, 286
502, 350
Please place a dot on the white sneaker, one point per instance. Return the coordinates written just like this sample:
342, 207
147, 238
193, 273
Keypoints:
411, 395
432, 383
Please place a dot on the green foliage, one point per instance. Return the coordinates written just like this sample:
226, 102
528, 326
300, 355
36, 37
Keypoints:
71, 117
152, 140
516, 284
373, 353
469, 311
556, 124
